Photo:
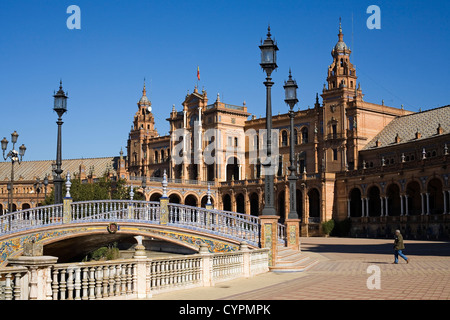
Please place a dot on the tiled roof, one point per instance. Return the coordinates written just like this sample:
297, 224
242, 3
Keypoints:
426, 123
30, 170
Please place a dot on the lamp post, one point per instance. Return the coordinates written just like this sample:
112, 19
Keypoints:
60, 106
290, 90
268, 64
15, 157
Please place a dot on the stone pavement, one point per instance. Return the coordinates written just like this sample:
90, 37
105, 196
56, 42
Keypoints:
342, 273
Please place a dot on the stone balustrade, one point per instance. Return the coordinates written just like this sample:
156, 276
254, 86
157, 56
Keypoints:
30, 278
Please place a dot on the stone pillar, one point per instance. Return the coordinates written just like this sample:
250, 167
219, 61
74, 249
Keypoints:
445, 200
423, 203
387, 205
269, 236
428, 203
293, 233
67, 202
362, 206
164, 203
401, 205
206, 265
39, 272
406, 205
141, 270
245, 259
209, 205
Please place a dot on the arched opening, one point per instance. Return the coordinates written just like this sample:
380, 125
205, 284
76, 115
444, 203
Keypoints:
394, 205
304, 135
174, 198
232, 169
190, 200
281, 206
374, 201
299, 200
284, 138
355, 203
254, 204
226, 200
314, 205
210, 172
240, 203
414, 206
26, 206
436, 197
155, 196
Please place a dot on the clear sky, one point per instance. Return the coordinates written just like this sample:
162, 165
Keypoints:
120, 43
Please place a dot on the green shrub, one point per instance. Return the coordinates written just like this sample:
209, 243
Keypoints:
328, 226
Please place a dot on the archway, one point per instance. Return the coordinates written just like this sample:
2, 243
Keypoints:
190, 200
232, 169
394, 205
314, 205
374, 201
26, 206
254, 204
174, 198
281, 206
436, 198
413, 198
240, 203
155, 196
355, 203
226, 200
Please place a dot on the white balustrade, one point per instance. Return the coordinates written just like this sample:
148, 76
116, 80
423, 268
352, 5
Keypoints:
119, 279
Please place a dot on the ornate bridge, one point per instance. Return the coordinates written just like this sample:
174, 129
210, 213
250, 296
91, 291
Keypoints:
191, 227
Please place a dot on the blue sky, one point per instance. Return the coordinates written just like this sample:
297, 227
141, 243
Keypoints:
122, 42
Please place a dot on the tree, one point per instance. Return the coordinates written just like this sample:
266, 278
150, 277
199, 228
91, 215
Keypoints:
102, 189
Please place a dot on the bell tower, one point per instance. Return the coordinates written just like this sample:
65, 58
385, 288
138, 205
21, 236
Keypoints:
143, 128
339, 94
341, 72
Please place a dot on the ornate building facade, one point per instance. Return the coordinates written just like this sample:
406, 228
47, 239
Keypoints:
381, 167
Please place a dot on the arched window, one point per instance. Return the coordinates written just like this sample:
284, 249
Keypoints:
295, 137
305, 135
284, 138
156, 156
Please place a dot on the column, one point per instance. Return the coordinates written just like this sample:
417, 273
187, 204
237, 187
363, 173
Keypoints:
387, 205
401, 205
428, 203
362, 206
423, 203
348, 208
406, 204
367, 207
269, 236
445, 201
381, 206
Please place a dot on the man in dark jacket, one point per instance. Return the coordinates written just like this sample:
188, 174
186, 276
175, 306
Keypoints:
399, 246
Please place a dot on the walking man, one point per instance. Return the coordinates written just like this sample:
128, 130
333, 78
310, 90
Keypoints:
399, 246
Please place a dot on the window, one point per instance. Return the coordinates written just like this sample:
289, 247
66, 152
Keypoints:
295, 137
334, 130
284, 138
305, 135
335, 154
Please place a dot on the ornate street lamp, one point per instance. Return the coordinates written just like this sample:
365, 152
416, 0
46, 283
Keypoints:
268, 64
60, 106
290, 90
15, 157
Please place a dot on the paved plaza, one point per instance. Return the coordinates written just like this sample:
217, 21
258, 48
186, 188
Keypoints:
342, 273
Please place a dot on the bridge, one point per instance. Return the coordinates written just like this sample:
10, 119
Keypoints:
182, 225
223, 245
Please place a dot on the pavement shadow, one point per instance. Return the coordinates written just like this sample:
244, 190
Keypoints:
420, 248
